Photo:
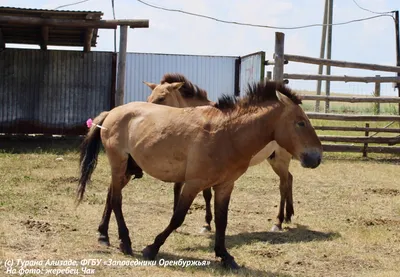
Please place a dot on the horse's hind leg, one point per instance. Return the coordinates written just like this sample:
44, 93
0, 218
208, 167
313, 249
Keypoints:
131, 169
279, 162
186, 198
207, 198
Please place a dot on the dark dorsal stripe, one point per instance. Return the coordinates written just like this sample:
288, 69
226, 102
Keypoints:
188, 90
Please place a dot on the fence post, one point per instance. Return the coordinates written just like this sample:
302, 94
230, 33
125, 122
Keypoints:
377, 93
278, 56
365, 152
322, 52
123, 40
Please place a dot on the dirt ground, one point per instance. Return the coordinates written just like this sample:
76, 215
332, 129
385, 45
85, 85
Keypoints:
346, 223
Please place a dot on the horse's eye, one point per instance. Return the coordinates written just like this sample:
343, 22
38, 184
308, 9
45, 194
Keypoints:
301, 124
160, 99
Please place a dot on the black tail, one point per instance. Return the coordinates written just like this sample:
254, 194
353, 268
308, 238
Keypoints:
90, 148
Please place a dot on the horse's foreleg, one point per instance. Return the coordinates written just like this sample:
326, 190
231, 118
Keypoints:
185, 200
279, 162
289, 199
221, 204
207, 197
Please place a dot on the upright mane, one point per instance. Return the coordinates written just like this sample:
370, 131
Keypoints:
257, 93
188, 90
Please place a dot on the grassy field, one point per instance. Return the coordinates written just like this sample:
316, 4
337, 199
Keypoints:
346, 223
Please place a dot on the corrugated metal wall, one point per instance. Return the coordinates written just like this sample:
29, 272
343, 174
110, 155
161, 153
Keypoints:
215, 74
53, 92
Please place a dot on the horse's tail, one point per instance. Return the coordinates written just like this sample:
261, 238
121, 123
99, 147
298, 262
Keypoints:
90, 148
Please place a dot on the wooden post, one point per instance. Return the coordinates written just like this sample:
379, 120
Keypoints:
322, 52
365, 149
396, 18
45, 37
123, 40
278, 56
88, 39
2, 41
269, 75
377, 93
329, 53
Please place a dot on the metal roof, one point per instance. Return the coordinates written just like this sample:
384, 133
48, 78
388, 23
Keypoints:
60, 36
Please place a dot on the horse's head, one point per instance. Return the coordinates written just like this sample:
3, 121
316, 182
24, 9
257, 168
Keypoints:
296, 134
165, 94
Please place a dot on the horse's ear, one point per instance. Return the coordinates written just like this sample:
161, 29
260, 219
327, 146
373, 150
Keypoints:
283, 98
150, 85
177, 85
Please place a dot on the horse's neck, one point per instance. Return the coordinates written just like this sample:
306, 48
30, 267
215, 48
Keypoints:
252, 132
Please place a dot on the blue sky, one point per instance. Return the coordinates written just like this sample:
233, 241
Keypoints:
371, 41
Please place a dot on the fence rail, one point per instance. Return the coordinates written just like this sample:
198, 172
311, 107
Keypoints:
352, 99
345, 78
360, 149
357, 129
348, 117
377, 67
360, 139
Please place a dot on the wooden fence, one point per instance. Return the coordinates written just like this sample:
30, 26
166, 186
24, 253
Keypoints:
387, 143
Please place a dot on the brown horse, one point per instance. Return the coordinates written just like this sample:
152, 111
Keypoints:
202, 146
190, 95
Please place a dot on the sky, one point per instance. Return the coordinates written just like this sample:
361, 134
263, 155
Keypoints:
371, 41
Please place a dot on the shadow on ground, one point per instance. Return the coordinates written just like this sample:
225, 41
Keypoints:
39, 144
291, 235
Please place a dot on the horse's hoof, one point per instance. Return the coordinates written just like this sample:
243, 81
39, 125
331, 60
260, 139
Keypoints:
149, 253
230, 264
126, 248
288, 220
276, 228
206, 229
104, 240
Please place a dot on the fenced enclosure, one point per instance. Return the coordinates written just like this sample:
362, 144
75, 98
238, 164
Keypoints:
354, 132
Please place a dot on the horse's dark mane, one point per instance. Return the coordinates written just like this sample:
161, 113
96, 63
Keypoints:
188, 90
257, 93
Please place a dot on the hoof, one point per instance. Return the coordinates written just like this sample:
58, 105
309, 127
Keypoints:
149, 253
276, 228
104, 240
206, 229
126, 248
230, 264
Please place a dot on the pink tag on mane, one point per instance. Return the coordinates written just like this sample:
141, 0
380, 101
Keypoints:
89, 122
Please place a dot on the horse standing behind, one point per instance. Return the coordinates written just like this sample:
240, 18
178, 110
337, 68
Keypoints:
190, 95
203, 147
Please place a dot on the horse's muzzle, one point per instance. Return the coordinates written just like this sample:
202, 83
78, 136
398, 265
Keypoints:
311, 159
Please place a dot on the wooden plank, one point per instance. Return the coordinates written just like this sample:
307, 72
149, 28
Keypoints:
329, 53
345, 78
123, 40
2, 41
370, 118
377, 67
88, 39
356, 129
351, 99
360, 139
359, 149
45, 37
71, 23
278, 56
